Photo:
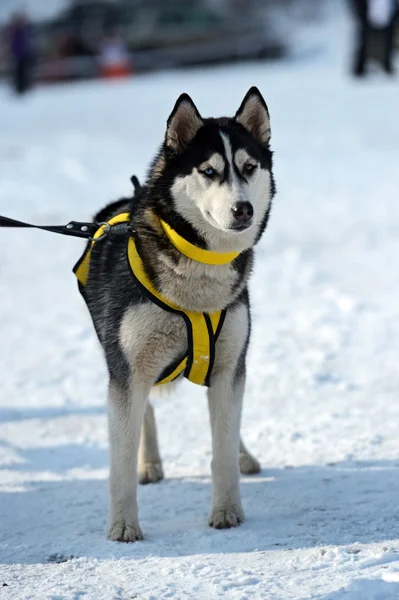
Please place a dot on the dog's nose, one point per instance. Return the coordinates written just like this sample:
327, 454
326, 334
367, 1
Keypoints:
243, 211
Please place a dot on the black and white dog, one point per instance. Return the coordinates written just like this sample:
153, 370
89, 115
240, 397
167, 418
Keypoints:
170, 298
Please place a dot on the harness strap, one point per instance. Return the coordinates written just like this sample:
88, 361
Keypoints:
81, 269
208, 257
202, 328
73, 228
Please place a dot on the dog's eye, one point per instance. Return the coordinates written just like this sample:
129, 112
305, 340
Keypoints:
209, 172
249, 168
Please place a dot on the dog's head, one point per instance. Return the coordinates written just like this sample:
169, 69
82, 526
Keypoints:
218, 172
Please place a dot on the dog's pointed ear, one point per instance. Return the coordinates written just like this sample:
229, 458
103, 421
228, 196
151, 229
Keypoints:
254, 116
183, 124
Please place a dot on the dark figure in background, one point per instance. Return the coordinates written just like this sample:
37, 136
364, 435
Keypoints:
21, 52
376, 20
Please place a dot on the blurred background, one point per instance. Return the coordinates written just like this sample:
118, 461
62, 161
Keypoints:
75, 39
81, 39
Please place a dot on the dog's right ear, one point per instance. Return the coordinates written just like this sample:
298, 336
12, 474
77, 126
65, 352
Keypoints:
183, 124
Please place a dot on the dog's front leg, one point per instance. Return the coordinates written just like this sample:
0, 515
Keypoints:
225, 403
125, 417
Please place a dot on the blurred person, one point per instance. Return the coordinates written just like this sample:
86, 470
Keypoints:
20, 49
375, 19
114, 57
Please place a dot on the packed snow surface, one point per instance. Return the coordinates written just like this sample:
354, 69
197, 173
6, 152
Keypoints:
321, 410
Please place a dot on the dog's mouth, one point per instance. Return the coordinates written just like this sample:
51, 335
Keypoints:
240, 227
235, 227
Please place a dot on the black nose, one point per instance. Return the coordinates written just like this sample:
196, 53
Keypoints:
243, 211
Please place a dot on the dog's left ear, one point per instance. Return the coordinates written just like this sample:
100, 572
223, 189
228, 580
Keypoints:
183, 124
254, 116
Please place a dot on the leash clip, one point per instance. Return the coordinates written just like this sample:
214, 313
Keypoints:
104, 234
112, 231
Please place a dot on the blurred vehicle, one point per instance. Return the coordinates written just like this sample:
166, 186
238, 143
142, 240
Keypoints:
156, 34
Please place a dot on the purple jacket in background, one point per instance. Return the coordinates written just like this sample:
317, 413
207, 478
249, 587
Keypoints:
20, 42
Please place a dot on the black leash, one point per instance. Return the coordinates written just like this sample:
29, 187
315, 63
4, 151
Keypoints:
76, 228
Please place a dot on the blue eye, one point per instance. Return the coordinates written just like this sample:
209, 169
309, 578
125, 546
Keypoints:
209, 172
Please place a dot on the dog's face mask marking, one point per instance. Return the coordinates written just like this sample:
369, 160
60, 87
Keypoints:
220, 170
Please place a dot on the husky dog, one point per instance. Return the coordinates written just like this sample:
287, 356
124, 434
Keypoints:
208, 194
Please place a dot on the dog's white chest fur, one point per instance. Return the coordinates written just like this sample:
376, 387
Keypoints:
197, 287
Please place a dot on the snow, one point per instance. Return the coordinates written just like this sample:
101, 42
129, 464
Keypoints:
321, 409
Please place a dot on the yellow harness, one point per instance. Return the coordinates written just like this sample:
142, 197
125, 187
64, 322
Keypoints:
202, 328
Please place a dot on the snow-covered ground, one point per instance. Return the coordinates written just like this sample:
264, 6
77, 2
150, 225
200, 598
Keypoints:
321, 412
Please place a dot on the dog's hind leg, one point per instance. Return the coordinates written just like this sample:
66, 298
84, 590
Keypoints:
150, 464
225, 403
248, 463
125, 417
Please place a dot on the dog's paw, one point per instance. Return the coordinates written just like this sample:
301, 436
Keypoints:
150, 473
248, 464
122, 531
224, 518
